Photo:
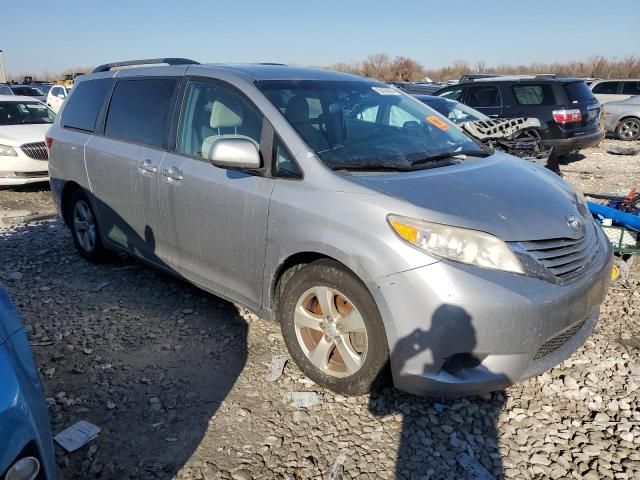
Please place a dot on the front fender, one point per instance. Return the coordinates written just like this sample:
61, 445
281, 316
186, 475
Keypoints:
351, 228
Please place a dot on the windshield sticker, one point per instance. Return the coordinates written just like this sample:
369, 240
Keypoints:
385, 91
432, 119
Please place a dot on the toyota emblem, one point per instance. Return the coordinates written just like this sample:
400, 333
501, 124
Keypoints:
574, 223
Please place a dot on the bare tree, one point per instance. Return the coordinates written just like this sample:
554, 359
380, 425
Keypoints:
377, 66
405, 69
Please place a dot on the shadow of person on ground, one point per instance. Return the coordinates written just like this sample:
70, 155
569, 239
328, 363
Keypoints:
441, 439
143, 355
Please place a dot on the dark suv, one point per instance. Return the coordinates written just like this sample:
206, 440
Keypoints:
568, 112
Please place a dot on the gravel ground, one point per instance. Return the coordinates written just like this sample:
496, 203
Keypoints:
176, 380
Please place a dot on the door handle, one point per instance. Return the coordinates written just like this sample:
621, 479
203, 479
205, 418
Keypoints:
172, 173
147, 166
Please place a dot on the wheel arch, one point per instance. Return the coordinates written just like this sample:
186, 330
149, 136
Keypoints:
68, 190
291, 264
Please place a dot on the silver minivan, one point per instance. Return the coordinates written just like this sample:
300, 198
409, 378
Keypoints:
385, 241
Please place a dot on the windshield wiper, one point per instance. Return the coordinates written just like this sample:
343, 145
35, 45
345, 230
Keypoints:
371, 167
442, 156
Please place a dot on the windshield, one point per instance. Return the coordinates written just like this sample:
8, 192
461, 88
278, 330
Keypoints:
357, 124
455, 111
20, 113
44, 88
28, 91
578, 92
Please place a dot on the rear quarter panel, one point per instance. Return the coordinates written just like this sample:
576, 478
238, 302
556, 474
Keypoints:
66, 161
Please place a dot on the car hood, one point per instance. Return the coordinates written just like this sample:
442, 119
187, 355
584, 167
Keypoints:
502, 195
18, 134
9, 321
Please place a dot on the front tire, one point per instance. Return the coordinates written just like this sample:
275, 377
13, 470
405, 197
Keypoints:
333, 329
628, 129
83, 223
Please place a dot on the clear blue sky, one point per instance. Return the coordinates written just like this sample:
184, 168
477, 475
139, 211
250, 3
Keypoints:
53, 36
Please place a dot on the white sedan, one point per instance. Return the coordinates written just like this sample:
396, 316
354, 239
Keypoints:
23, 153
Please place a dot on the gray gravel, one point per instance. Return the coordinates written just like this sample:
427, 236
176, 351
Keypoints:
177, 381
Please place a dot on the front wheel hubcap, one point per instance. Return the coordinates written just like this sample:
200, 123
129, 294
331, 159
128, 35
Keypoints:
330, 331
84, 225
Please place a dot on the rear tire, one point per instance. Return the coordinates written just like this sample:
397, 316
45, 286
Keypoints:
83, 223
333, 329
628, 129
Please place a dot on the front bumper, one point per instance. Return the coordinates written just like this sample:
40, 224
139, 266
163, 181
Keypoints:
22, 170
15, 181
440, 316
562, 146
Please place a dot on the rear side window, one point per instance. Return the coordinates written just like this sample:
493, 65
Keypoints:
631, 88
606, 87
5, 91
139, 111
578, 92
82, 108
534, 94
484, 96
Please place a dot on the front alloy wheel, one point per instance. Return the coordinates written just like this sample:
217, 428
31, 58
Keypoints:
330, 331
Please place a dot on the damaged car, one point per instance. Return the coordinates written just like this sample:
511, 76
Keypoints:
517, 136
387, 243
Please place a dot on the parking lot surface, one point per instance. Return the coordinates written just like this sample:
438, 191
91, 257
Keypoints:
176, 378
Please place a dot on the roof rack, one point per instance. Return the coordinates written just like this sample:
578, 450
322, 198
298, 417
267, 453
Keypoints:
147, 61
272, 63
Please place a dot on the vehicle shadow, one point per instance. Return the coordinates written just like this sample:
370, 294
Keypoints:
441, 439
571, 157
145, 356
30, 187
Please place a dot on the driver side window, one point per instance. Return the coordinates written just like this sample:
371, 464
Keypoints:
211, 112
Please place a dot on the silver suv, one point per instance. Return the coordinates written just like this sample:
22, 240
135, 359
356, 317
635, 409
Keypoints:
384, 240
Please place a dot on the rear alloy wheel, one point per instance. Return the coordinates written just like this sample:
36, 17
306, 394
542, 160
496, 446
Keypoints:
84, 227
628, 129
333, 329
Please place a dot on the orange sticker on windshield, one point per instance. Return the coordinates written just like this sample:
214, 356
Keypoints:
437, 122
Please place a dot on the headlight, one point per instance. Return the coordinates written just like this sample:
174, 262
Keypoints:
7, 151
457, 244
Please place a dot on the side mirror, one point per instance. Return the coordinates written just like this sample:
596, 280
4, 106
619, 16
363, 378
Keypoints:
234, 153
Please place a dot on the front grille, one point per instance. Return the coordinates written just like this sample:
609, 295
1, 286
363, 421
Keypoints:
32, 174
37, 150
556, 342
565, 257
